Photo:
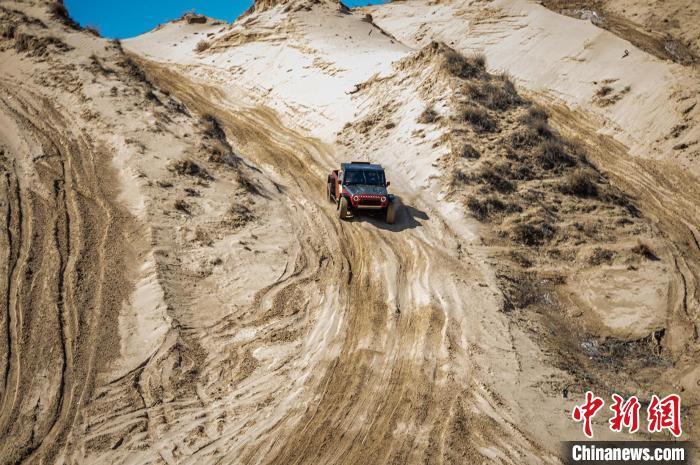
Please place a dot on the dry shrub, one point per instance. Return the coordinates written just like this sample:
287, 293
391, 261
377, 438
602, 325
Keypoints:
553, 155
460, 66
643, 249
188, 168
38, 46
7, 31
581, 183
237, 216
487, 207
466, 151
498, 93
212, 127
93, 30
182, 206
117, 44
202, 45
132, 69
480, 60
536, 120
600, 256
478, 117
524, 139
60, 12
494, 176
428, 116
533, 233
604, 91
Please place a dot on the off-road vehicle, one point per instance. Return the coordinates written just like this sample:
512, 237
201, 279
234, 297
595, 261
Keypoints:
361, 186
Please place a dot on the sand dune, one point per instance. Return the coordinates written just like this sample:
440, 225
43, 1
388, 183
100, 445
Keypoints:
177, 287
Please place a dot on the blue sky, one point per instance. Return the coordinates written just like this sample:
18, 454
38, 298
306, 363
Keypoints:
128, 18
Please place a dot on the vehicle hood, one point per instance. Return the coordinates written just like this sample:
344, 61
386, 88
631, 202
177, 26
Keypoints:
363, 189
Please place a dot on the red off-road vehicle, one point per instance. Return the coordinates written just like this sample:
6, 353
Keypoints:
361, 186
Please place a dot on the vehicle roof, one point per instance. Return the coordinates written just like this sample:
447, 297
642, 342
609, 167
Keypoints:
360, 166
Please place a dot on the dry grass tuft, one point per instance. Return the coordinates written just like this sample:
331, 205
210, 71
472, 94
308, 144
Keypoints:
533, 233
466, 151
202, 45
237, 216
181, 205
553, 155
600, 256
60, 12
186, 167
497, 93
581, 183
428, 116
485, 208
458, 65
478, 117
643, 249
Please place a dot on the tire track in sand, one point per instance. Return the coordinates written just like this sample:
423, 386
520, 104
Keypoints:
70, 259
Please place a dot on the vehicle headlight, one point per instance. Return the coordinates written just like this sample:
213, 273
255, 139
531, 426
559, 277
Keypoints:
383, 199
355, 198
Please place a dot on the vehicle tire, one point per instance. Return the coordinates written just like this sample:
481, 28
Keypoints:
328, 192
391, 213
343, 209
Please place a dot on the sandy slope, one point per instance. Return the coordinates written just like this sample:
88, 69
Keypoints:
187, 294
382, 106
648, 104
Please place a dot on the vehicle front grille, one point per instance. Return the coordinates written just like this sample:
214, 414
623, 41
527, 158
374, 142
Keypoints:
370, 201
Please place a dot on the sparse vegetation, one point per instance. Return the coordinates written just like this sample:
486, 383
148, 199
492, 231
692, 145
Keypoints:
60, 12
429, 115
480, 60
237, 216
133, 69
466, 151
202, 45
536, 121
36, 45
93, 30
186, 167
182, 206
7, 31
600, 256
216, 143
485, 208
495, 177
604, 91
533, 233
496, 93
457, 64
478, 117
581, 183
553, 155
643, 249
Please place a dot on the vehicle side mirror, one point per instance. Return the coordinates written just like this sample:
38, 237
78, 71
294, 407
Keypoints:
388, 183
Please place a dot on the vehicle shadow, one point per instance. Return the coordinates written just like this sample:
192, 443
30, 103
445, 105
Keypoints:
407, 217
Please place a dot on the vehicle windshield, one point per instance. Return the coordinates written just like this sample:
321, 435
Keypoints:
367, 177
